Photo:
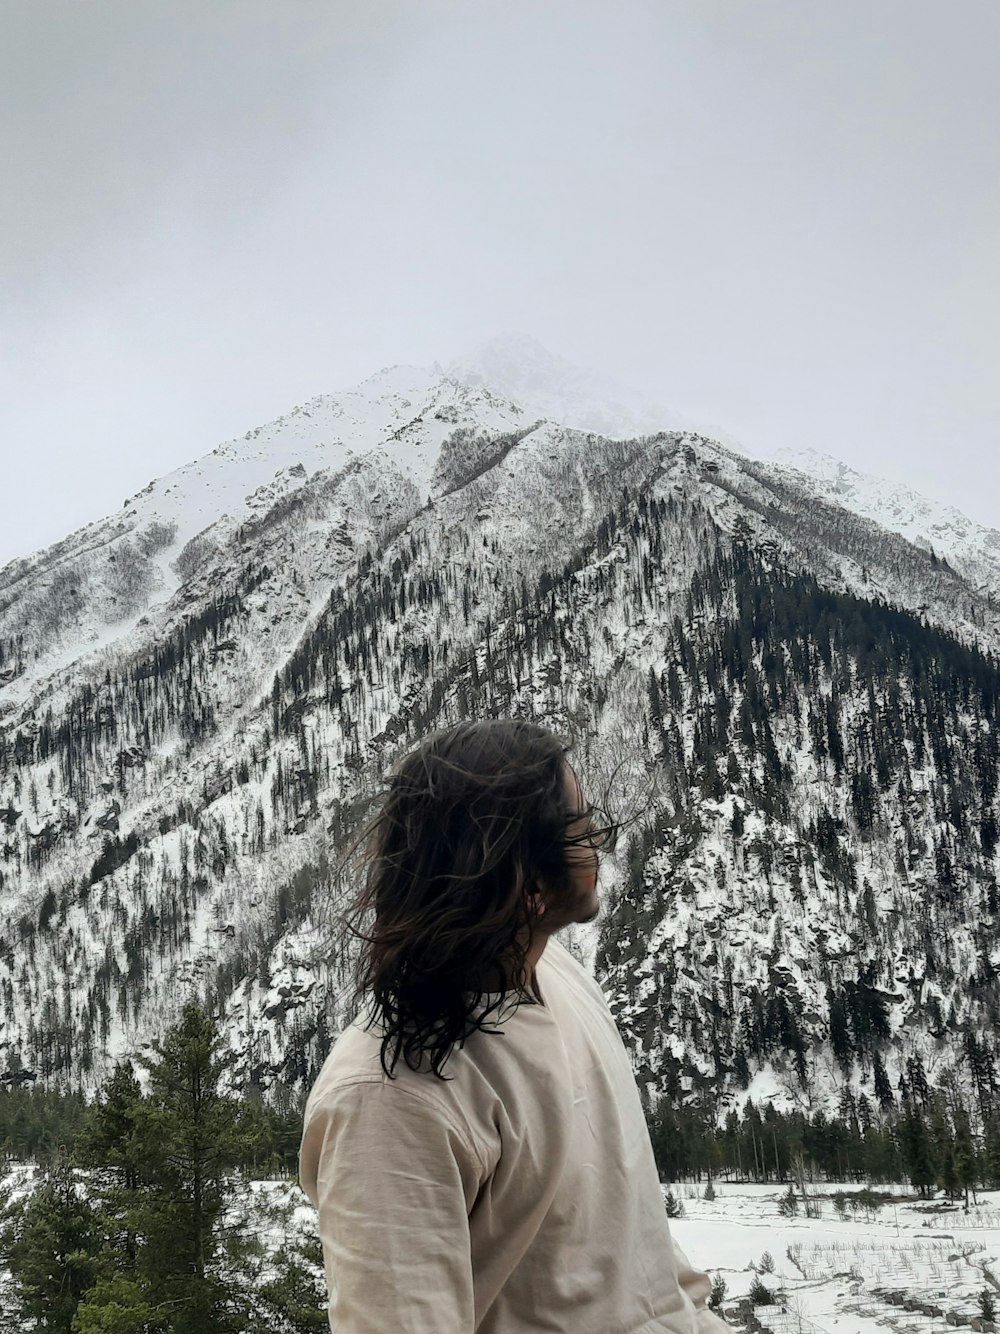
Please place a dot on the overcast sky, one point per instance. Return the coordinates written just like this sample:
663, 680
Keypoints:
777, 216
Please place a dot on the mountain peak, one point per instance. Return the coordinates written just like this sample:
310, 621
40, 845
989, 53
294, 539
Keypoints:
514, 353
545, 384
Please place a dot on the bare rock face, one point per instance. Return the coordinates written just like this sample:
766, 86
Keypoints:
108, 819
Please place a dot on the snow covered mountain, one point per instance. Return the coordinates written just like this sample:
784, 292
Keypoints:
97, 588
796, 704
970, 547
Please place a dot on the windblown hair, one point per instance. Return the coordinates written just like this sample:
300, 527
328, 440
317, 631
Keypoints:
473, 820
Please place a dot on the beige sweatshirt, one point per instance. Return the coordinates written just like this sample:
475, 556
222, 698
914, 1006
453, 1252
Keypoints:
521, 1195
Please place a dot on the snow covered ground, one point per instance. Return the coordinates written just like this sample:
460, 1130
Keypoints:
832, 1274
849, 1273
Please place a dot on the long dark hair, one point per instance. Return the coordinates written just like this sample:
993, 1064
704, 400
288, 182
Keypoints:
473, 819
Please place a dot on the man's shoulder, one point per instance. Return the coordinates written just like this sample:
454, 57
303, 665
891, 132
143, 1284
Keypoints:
354, 1068
352, 1085
354, 1058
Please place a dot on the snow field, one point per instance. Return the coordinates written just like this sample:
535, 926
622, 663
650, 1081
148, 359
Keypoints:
849, 1274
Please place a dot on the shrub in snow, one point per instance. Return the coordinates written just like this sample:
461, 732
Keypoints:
866, 1199
788, 1205
675, 1209
128, 578
718, 1294
760, 1294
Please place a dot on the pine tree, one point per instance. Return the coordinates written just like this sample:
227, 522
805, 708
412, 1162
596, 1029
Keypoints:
883, 1088
966, 1158
760, 1294
108, 1143
295, 1300
51, 1251
117, 1305
674, 1207
991, 1153
915, 1144
189, 1136
916, 1078
947, 1172
840, 1032
718, 1293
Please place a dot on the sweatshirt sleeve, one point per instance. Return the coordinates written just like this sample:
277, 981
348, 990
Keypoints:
393, 1180
697, 1285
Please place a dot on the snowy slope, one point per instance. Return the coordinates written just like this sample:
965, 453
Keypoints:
969, 547
72, 599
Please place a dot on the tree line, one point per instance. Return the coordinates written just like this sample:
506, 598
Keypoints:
926, 1141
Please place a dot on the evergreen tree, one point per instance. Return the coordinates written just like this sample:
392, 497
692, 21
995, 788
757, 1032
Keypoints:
966, 1158
117, 1305
189, 1136
916, 1079
915, 1144
883, 1088
108, 1143
718, 1293
760, 1294
50, 1250
991, 1153
947, 1169
295, 1300
840, 1032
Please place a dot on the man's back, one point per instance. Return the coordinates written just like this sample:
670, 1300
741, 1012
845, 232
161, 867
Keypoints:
519, 1195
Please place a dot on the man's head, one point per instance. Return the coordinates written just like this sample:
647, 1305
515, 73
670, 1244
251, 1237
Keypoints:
484, 844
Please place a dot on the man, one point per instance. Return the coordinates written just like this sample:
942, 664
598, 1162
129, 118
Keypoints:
475, 1143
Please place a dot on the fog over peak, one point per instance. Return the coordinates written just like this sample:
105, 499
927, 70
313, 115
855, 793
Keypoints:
521, 367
